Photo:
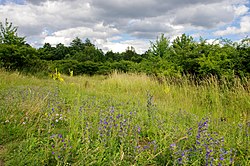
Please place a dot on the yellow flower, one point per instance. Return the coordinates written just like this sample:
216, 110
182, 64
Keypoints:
167, 89
61, 79
71, 73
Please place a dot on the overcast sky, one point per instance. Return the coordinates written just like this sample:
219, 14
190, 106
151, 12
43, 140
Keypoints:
116, 24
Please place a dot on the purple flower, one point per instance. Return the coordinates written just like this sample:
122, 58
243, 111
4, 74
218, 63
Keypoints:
138, 129
118, 116
180, 160
112, 110
172, 146
53, 152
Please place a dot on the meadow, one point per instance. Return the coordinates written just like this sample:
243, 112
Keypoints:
123, 119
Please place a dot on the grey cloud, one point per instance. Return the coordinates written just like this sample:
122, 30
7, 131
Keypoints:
147, 28
204, 16
142, 8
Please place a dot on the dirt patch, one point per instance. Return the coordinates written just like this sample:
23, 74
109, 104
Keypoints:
1, 163
1, 153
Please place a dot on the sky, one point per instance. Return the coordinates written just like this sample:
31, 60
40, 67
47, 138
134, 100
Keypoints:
117, 24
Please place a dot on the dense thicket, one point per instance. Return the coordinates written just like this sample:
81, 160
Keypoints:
183, 55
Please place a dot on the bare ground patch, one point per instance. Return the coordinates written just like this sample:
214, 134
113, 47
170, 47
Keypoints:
2, 150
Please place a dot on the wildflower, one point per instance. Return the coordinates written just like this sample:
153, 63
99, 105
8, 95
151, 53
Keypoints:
112, 110
167, 89
71, 73
180, 160
173, 146
138, 129
118, 116
53, 152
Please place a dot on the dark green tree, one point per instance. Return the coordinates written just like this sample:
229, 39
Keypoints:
60, 52
183, 54
77, 45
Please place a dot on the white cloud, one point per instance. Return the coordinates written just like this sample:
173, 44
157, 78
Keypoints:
244, 28
213, 41
240, 10
53, 40
99, 31
140, 45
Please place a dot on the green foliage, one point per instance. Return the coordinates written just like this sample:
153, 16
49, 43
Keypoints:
160, 47
17, 57
8, 34
182, 56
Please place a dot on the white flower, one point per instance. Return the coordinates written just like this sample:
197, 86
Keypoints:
56, 120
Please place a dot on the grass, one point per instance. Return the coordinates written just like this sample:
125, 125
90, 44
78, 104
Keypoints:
123, 119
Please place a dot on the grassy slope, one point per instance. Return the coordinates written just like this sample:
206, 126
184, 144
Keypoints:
122, 119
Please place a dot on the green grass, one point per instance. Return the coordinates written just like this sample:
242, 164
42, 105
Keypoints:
123, 119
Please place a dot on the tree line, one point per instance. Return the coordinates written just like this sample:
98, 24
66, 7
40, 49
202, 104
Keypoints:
182, 56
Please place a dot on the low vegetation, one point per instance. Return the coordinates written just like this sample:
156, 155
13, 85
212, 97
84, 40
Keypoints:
123, 119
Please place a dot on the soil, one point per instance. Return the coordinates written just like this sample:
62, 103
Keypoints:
1, 151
